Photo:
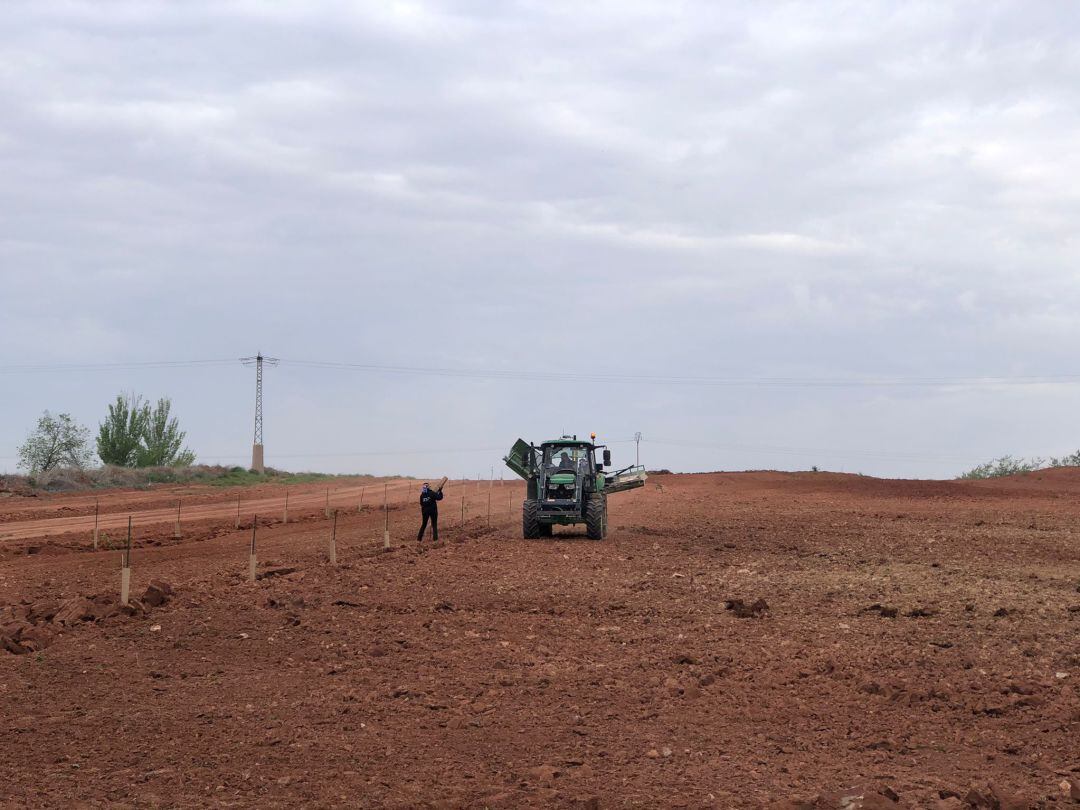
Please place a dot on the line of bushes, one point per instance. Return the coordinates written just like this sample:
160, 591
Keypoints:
1008, 465
68, 479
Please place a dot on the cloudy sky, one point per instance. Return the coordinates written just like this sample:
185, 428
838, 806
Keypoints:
766, 235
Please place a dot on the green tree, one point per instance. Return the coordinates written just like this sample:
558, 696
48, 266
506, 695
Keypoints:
57, 441
120, 435
162, 439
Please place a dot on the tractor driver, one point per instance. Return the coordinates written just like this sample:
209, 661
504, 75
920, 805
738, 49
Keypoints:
565, 462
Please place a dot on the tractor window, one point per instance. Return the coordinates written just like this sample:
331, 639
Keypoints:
563, 458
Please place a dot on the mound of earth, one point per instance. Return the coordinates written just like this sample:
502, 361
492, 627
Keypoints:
32, 626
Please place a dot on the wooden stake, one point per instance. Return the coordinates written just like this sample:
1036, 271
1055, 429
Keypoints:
285, 514
360, 506
125, 569
326, 511
238, 511
333, 541
251, 557
97, 508
489, 507
125, 584
462, 510
386, 519
176, 529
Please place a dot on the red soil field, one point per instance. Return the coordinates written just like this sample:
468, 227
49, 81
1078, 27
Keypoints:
738, 640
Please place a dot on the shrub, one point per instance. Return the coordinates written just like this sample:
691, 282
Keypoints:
57, 441
1071, 460
1000, 467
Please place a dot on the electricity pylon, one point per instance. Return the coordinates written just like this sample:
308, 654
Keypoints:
257, 447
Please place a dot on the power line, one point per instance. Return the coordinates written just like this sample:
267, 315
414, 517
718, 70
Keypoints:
888, 455
764, 382
398, 452
687, 443
574, 377
362, 453
132, 365
359, 453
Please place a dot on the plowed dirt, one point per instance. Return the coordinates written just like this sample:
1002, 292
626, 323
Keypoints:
739, 640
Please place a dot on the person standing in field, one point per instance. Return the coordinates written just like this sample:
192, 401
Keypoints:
429, 510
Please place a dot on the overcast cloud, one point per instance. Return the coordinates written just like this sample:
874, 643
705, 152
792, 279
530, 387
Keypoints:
743, 190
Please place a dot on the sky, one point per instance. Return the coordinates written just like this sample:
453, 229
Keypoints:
763, 235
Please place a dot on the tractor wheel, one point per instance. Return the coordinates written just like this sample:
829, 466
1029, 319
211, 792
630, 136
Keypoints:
530, 521
546, 530
596, 517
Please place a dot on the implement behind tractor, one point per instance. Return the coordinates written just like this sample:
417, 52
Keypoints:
566, 484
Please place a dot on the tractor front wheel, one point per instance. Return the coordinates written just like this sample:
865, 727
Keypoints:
596, 517
530, 519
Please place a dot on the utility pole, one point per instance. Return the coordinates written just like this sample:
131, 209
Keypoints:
257, 447
637, 449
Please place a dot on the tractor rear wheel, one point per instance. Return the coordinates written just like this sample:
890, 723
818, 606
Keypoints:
596, 517
530, 519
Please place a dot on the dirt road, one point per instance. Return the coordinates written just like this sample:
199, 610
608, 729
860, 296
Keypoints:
80, 513
917, 640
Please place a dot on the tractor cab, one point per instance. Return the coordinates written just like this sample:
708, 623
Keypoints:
558, 468
566, 466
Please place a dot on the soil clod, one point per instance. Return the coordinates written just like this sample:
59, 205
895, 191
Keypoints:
745, 611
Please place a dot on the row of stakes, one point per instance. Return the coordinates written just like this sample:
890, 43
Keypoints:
125, 555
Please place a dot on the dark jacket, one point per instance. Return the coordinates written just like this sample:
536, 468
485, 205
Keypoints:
429, 501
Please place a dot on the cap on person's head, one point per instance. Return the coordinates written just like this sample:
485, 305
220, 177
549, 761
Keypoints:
425, 486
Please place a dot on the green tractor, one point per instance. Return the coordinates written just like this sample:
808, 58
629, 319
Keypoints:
567, 484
